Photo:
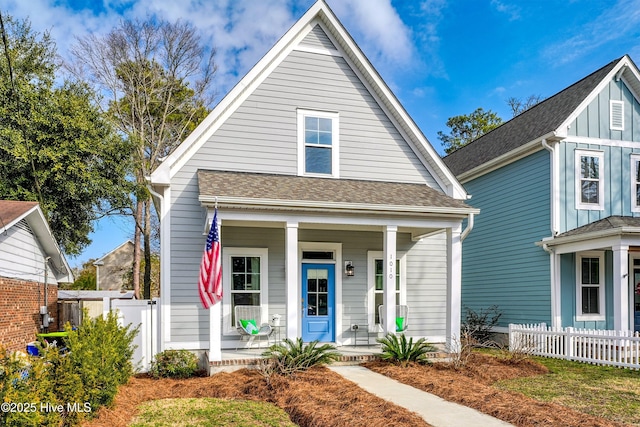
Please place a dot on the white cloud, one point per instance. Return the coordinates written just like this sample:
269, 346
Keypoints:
508, 9
620, 20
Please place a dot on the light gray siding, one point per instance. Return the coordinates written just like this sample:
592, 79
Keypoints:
21, 256
318, 38
261, 135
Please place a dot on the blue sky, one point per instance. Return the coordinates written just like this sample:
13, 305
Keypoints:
441, 57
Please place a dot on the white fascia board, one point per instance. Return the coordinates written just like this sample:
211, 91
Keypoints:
562, 129
323, 206
590, 241
235, 97
393, 108
38, 223
509, 157
113, 250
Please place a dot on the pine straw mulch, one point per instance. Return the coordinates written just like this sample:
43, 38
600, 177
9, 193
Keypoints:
472, 386
318, 397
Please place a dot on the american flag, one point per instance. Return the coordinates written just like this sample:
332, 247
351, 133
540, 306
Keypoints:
210, 281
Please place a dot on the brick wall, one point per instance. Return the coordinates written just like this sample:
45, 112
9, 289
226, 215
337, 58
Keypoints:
20, 319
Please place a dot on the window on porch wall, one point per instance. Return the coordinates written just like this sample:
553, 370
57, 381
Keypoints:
245, 282
590, 296
379, 289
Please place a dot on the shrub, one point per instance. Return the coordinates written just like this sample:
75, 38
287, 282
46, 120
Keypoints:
174, 364
100, 352
478, 324
396, 348
290, 357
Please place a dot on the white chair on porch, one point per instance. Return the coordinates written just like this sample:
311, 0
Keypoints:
248, 318
402, 317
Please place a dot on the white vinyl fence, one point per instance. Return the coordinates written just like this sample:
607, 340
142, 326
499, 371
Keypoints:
600, 347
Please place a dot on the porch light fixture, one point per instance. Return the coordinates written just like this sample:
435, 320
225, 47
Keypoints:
349, 270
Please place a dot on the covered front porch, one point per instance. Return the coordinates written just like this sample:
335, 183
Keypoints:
595, 275
290, 257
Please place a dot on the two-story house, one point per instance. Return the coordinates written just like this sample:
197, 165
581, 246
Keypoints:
331, 202
558, 240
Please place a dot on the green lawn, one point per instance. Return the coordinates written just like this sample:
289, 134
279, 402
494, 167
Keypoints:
606, 392
207, 412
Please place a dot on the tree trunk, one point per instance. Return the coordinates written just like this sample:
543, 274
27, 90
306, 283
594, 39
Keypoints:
136, 249
147, 249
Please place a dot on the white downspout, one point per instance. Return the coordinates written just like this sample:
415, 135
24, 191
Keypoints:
467, 230
554, 264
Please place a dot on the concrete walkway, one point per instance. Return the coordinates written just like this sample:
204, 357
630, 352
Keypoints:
435, 410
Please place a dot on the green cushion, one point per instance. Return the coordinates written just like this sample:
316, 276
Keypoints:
399, 323
249, 326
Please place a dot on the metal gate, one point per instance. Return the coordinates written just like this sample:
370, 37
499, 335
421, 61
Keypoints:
145, 314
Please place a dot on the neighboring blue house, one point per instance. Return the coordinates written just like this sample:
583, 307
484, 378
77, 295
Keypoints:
558, 240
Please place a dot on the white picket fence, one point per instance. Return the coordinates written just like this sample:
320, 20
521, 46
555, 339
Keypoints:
600, 347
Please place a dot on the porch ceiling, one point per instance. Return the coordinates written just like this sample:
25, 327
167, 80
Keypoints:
241, 189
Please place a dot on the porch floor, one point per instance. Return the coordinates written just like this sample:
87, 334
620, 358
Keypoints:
248, 357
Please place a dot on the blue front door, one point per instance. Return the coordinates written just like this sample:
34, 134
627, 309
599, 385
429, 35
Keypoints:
318, 296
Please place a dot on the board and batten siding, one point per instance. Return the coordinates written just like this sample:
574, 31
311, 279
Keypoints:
501, 265
22, 257
617, 184
594, 122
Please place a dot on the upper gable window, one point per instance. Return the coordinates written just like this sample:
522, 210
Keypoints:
616, 115
317, 143
635, 182
589, 180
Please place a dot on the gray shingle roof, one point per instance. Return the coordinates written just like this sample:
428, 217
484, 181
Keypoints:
321, 190
541, 119
609, 223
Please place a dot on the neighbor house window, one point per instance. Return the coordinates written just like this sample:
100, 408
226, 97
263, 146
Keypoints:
635, 182
590, 287
589, 180
317, 143
376, 284
245, 281
616, 115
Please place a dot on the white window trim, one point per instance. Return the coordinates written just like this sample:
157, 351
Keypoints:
611, 104
371, 283
634, 158
335, 142
601, 291
227, 253
578, 178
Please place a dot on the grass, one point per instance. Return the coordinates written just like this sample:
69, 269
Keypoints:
606, 392
206, 412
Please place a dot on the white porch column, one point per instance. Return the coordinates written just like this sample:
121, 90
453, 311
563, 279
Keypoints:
454, 286
621, 318
389, 293
292, 282
556, 307
215, 321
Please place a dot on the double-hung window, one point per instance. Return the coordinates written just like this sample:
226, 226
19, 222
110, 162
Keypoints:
590, 286
318, 143
635, 182
589, 180
245, 281
376, 284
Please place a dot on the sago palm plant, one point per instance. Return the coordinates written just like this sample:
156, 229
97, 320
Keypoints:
291, 356
396, 348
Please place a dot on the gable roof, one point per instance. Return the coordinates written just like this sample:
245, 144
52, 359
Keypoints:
100, 260
546, 119
319, 13
298, 192
12, 212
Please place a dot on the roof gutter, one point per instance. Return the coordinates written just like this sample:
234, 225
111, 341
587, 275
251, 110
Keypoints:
467, 230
